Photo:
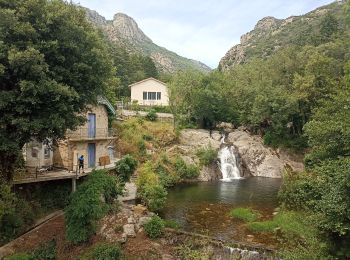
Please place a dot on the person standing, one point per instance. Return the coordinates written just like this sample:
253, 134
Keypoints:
81, 163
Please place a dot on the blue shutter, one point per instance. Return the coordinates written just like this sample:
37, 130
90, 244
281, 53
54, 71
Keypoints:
92, 126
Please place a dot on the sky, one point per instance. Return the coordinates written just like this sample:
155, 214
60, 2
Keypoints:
203, 30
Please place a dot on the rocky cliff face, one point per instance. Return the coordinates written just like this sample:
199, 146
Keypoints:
260, 160
269, 34
124, 31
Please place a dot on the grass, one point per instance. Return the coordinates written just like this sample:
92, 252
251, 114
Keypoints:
137, 135
245, 214
171, 224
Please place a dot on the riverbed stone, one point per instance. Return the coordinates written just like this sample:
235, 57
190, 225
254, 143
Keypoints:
129, 230
139, 210
131, 220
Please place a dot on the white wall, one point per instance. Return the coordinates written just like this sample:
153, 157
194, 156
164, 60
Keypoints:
150, 85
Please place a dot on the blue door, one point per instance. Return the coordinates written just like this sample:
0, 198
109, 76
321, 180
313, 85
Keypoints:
91, 155
92, 126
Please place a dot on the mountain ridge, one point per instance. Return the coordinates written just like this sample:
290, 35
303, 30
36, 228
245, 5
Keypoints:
124, 31
270, 34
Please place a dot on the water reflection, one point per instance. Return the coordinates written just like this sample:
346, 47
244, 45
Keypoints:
204, 207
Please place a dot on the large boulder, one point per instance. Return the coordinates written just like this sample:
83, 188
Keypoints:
261, 160
193, 139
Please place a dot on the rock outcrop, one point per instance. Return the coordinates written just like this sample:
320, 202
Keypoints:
190, 141
124, 31
260, 160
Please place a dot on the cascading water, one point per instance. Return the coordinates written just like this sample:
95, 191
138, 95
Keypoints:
229, 165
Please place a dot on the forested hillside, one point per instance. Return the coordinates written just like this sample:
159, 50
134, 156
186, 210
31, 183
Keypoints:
271, 34
298, 96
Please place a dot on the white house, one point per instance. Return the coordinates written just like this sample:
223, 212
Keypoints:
150, 92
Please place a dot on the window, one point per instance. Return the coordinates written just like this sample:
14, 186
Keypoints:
159, 95
144, 95
46, 153
34, 152
152, 95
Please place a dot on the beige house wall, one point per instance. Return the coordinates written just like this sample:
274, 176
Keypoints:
101, 122
67, 151
149, 85
35, 155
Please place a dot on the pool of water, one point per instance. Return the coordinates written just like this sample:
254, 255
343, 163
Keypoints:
204, 207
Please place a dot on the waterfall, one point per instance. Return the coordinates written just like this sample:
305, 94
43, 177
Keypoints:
229, 165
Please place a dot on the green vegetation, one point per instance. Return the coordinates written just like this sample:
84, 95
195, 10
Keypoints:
154, 227
136, 135
310, 29
171, 224
152, 115
125, 167
130, 68
19, 210
103, 251
207, 155
245, 214
88, 204
150, 189
184, 170
298, 235
50, 54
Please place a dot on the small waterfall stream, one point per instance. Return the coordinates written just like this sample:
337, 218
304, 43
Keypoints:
229, 163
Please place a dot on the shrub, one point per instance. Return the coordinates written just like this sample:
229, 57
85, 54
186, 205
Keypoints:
152, 115
207, 155
186, 171
46, 251
150, 189
125, 167
103, 251
154, 196
244, 214
155, 227
88, 204
15, 214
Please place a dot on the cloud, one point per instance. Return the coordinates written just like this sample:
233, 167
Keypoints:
200, 29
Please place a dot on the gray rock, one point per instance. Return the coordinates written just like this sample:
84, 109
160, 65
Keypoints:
142, 222
131, 220
129, 230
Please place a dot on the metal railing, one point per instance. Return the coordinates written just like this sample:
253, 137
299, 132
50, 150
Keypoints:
86, 133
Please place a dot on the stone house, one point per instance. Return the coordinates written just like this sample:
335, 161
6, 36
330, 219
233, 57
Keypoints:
150, 92
95, 140
38, 155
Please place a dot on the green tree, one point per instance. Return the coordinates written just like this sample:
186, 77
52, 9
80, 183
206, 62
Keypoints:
52, 65
329, 26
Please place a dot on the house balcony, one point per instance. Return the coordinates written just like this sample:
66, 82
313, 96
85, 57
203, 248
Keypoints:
82, 134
